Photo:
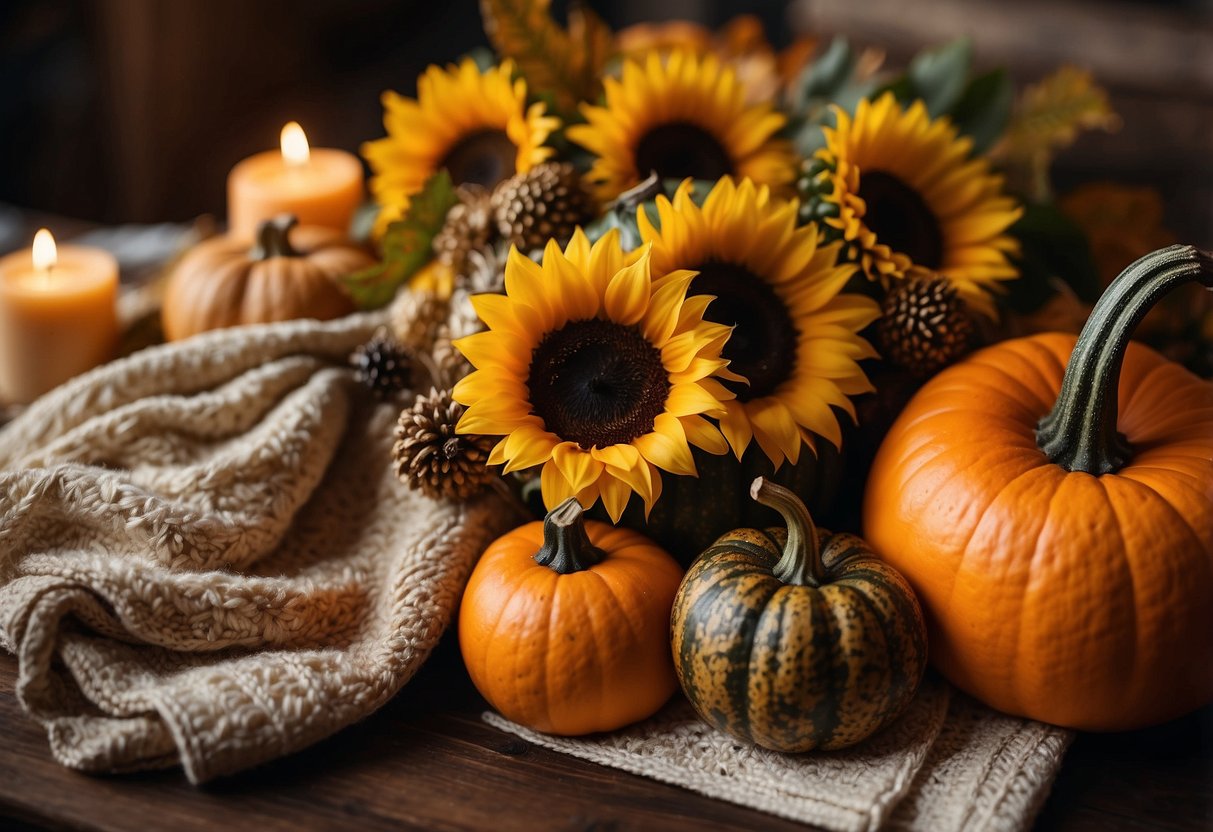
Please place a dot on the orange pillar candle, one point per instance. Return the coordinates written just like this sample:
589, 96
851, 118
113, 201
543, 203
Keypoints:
320, 187
58, 315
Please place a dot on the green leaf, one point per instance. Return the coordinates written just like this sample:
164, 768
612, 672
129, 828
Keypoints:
1053, 248
563, 64
629, 232
1048, 118
483, 56
984, 110
938, 75
828, 80
824, 76
407, 244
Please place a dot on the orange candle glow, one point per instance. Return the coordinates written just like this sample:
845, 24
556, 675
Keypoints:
58, 315
320, 186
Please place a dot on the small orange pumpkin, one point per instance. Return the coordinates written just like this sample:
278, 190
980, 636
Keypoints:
291, 272
564, 624
1051, 502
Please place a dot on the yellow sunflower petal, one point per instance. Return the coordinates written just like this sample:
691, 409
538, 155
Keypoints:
735, 425
774, 429
554, 487
615, 494
491, 348
628, 293
690, 400
703, 434
668, 296
578, 467
666, 446
527, 446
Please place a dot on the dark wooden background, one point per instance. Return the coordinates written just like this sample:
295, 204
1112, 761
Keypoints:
134, 110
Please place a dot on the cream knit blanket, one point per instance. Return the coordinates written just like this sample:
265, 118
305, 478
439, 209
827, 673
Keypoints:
206, 560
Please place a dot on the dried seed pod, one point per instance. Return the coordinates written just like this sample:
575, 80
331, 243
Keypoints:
925, 325
432, 458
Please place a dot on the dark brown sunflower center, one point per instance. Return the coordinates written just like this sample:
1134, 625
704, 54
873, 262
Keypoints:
681, 149
763, 345
483, 158
901, 219
597, 383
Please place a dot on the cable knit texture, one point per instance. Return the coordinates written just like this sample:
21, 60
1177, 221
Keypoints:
947, 764
205, 558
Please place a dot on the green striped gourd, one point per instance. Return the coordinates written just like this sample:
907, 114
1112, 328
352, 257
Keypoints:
796, 639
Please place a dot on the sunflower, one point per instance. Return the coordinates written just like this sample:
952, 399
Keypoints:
794, 335
741, 43
908, 196
594, 370
682, 115
476, 125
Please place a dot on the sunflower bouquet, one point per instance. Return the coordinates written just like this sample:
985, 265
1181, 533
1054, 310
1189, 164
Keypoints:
645, 267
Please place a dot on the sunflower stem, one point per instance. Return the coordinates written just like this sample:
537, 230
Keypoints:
566, 546
801, 564
273, 238
1079, 433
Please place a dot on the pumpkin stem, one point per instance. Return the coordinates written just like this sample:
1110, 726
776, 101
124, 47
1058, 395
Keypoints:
566, 546
1079, 433
801, 564
273, 238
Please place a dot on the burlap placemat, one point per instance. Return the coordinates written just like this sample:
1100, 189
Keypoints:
206, 560
948, 763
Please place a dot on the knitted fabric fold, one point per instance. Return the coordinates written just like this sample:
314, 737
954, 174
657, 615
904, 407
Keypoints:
205, 559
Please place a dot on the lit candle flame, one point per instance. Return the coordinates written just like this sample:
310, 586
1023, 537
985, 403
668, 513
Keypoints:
294, 145
46, 255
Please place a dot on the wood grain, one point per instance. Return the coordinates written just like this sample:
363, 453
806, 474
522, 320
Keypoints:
426, 761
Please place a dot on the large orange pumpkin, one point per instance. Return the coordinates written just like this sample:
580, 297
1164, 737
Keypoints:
565, 624
1051, 502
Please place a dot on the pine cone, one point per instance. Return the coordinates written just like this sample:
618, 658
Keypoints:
485, 270
449, 361
416, 317
924, 326
432, 458
544, 203
485, 275
468, 226
383, 365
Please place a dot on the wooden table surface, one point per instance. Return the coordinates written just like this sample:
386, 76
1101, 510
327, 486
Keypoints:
426, 761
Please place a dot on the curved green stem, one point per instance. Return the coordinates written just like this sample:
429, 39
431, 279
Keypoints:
273, 238
1079, 433
566, 546
801, 564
